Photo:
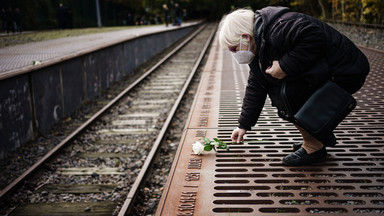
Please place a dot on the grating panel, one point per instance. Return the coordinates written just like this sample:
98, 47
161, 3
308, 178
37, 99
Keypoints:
351, 181
250, 180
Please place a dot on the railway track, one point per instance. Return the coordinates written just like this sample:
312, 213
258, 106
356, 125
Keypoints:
99, 168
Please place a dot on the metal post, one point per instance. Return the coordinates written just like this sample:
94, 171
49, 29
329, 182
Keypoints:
98, 14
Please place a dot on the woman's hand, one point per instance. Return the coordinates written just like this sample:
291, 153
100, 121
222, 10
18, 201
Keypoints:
238, 135
275, 71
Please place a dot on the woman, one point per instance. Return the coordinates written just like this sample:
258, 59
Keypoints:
290, 55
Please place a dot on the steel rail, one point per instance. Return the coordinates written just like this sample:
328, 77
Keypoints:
369, 48
366, 25
7, 190
143, 172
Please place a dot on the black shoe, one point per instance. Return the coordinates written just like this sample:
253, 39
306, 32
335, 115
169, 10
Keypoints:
301, 157
297, 146
330, 141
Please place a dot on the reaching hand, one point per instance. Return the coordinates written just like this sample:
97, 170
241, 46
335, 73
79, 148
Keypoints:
275, 71
238, 135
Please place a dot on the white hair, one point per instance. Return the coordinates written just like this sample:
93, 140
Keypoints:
234, 25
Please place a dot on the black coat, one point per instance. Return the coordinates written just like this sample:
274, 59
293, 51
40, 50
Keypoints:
309, 52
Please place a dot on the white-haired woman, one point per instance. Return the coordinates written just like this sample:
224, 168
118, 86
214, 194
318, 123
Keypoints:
298, 52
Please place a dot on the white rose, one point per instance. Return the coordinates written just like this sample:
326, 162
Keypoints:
197, 148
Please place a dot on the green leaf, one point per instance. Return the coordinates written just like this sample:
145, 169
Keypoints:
207, 147
206, 140
217, 140
215, 144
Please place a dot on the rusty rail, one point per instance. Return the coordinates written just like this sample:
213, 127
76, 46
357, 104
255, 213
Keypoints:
250, 179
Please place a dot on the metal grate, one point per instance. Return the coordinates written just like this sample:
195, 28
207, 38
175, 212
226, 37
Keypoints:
250, 178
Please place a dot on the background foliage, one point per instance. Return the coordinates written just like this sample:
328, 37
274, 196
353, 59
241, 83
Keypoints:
41, 14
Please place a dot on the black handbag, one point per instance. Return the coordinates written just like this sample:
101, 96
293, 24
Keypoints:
325, 109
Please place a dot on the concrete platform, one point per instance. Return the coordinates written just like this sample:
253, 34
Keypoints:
18, 59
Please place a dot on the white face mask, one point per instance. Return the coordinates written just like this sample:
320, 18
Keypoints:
243, 56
